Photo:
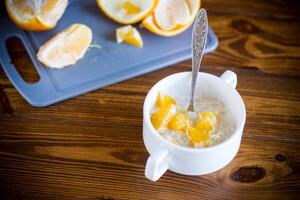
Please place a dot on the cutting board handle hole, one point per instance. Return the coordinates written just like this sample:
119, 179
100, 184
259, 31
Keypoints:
21, 60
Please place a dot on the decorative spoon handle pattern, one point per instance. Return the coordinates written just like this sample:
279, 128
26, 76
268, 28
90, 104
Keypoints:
198, 43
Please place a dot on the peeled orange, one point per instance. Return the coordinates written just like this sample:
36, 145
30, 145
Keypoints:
197, 136
67, 47
129, 35
178, 122
36, 15
163, 100
171, 17
160, 118
207, 122
126, 11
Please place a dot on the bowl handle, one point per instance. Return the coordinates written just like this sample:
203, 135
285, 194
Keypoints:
230, 78
157, 164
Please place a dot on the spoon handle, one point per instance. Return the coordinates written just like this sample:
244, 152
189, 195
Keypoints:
198, 43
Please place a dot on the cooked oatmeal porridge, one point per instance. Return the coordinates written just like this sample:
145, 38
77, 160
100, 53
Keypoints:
209, 125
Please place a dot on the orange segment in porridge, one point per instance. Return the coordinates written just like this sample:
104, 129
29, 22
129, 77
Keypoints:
191, 129
207, 122
197, 135
163, 100
160, 117
204, 126
178, 122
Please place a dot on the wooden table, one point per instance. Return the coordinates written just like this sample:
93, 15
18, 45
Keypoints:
91, 147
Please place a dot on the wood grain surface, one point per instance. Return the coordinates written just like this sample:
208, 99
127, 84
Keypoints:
90, 147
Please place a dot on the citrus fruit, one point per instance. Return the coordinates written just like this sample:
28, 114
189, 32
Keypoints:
197, 136
126, 11
36, 15
129, 35
161, 117
66, 47
173, 23
178, 122
207, 122
163, 100
171, 14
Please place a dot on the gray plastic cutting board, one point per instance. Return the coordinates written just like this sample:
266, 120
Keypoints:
99, 67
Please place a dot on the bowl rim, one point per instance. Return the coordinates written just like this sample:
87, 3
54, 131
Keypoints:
238, 130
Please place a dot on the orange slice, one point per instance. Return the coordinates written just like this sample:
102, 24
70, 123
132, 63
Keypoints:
129, 35
66, 47
161, 117
36, 15
178, 122
126, 11
197, 136
207, 122
151, 23
163, 100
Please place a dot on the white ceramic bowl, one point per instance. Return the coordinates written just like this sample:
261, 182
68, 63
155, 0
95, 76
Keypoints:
165, 155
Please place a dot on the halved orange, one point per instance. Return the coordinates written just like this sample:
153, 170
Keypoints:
171, 14
36, 15
126, 11
67, 47
169, 26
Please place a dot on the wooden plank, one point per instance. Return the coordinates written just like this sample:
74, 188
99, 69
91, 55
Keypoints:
263, 168
5, 107
90, 147
15, 128
269, 45
255, 8
21, 60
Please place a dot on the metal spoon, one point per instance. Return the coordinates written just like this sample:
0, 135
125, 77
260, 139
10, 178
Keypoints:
198, 43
